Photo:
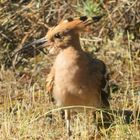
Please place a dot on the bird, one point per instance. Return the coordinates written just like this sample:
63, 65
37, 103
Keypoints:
76, 78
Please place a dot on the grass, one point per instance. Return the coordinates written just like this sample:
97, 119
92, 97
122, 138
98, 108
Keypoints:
24, 101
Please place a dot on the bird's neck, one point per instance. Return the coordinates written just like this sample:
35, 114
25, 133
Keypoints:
75, 41
76, 44
71, 57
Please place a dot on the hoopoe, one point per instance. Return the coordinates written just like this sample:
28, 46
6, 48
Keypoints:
75, 78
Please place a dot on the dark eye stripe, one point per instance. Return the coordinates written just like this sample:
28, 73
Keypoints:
83, 18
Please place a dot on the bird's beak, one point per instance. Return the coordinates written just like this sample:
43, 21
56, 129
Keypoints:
37, 42
35, 45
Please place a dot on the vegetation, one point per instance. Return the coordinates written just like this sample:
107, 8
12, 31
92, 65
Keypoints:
24, 102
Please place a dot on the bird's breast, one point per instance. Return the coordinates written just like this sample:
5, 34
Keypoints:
72, 84
70, 66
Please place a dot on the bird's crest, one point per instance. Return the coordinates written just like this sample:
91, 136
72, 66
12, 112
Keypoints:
79, 24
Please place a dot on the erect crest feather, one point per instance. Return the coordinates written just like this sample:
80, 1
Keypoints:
77, 24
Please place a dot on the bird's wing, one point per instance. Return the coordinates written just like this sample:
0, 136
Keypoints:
50, 83
100, 67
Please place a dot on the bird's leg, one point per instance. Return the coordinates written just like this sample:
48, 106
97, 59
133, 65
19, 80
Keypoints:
67, 118
62, 113
50, 118
95, 122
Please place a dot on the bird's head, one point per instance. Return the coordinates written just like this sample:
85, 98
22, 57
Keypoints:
66, 33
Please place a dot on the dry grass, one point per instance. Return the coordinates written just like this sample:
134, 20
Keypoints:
24, 102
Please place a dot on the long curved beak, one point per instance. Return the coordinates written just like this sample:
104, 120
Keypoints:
39, 42
31, 46
27, 49
39, 45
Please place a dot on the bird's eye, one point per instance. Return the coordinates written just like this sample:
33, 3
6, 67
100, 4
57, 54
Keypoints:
58, 36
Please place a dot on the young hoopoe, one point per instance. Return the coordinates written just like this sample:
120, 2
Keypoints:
77, 78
